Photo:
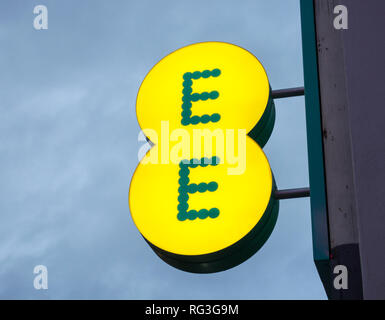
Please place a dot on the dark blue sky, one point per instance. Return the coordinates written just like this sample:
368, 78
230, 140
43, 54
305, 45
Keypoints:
68, 147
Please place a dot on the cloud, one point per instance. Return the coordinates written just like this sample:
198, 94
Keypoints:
68, 144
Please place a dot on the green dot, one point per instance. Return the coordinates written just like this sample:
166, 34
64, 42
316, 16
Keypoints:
183, 197
206, 74
202, 187
195, 119
184, 170
184, 162
187, 90
215, 72
206, 161
186, 105
192, 214
203, 213
204, 96
192, 188
205, 118
212, 186
215, 161
183, 181
182, 216
182, 207
195, 161
183, 190
185, 121
215, 117
196, 75
186, 113
214, 94
187, 83
214, 212
187, 76
195, 97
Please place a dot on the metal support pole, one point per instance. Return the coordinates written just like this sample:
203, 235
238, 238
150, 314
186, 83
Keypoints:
285, 93
292, 193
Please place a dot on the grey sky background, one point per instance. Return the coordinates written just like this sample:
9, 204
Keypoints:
68, 148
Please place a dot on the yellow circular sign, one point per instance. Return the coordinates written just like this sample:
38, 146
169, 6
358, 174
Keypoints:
227, 85
239, 200
202, 196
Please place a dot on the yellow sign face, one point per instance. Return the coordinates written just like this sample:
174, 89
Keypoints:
240, 201
202, 196
227, 85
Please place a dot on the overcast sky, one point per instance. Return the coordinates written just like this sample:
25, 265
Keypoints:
68, 147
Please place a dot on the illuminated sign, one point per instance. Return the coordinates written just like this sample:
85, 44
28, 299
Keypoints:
202, 196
